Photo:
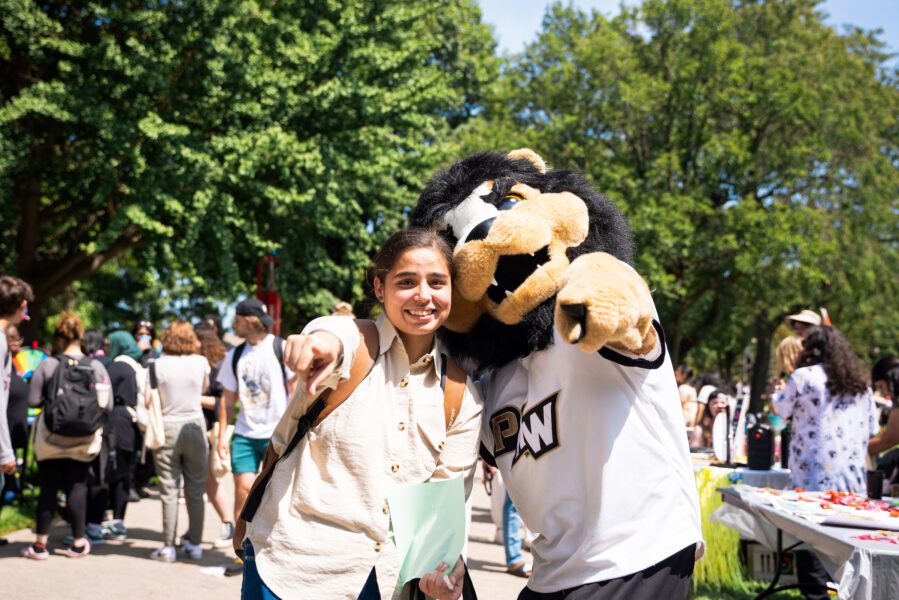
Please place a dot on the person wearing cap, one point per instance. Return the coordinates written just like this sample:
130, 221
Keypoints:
262, 385
802, 322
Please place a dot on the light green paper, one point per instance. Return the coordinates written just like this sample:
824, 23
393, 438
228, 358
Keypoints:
428, 526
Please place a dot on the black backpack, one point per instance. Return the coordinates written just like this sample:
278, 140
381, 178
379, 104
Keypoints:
71, 407
277, 347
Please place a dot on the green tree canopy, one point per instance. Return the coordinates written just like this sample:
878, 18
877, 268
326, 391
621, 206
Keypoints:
752, 147
152, 152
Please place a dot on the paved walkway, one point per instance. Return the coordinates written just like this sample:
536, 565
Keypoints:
117, 570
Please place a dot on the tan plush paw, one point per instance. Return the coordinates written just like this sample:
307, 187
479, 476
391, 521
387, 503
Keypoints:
605, 302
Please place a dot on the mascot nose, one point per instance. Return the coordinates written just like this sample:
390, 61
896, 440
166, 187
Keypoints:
480, 230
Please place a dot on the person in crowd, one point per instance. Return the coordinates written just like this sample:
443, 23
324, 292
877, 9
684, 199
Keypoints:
213, 349
143, 470
215, 321
325, 531
16, 415
127, 378
343, 309
710, 386
833, 415
181, 376
885, 379
683, 375
802, 322
64, 461
262, 384
144, 334
15, 295
93, 345
786, 355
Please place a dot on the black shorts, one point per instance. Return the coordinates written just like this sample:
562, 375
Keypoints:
668, 579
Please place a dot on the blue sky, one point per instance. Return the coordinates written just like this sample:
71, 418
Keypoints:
516, 22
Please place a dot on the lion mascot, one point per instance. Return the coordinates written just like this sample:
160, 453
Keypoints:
582, 415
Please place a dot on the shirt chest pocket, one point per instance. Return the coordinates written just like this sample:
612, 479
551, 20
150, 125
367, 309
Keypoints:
431, 431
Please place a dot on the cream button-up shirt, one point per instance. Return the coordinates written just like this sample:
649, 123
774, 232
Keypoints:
324, 521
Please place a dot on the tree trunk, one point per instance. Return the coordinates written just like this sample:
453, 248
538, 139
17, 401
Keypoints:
759, 383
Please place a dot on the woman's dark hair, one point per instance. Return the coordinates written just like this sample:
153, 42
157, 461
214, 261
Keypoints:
92, 342
400, 242
148, 325
887, 369
211, 347
828, 347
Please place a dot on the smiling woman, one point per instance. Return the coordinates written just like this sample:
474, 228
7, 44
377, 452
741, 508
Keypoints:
322, 528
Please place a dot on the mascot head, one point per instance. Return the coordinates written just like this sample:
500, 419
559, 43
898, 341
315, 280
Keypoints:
515, 228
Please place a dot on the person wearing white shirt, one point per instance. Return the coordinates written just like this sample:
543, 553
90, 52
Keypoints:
262, 385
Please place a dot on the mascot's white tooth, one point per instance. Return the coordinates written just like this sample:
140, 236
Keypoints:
494, 282
532, 253
508, 293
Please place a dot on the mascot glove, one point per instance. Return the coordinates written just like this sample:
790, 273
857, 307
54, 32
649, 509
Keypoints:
603, 301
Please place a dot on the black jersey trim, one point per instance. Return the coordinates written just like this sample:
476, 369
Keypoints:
642, 363
487, 456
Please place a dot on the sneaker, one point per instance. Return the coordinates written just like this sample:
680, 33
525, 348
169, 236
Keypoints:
132, 495
181, 541
143, 492
234, 568
73, 552
164, 554
35, 552
226, 534
95, 538
96, 533
115, 530
193, 551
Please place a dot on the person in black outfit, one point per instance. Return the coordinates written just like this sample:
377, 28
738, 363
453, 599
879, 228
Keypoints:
143, 334
126, 376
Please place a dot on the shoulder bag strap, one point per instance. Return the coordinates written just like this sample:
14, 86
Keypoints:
452, 380
154, 383
235, 358
278, 347
324, 405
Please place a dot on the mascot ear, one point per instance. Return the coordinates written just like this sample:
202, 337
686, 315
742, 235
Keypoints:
530, 156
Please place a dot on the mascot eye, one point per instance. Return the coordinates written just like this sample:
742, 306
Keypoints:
510, 200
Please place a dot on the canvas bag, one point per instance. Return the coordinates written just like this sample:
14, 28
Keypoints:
139, 414
154, 434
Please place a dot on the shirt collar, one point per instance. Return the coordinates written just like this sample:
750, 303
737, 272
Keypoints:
388, 335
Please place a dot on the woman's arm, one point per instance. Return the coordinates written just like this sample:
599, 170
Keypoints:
36, 387
888, 438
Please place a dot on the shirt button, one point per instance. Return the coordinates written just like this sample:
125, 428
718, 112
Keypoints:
394, 467
401, 426
386, 509
441, 446
427, 359
404, 382
377, 546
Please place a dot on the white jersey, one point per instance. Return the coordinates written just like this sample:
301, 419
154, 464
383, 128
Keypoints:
593, 451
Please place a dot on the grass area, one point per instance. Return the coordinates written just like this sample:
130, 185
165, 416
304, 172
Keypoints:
752, 589
19, 515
